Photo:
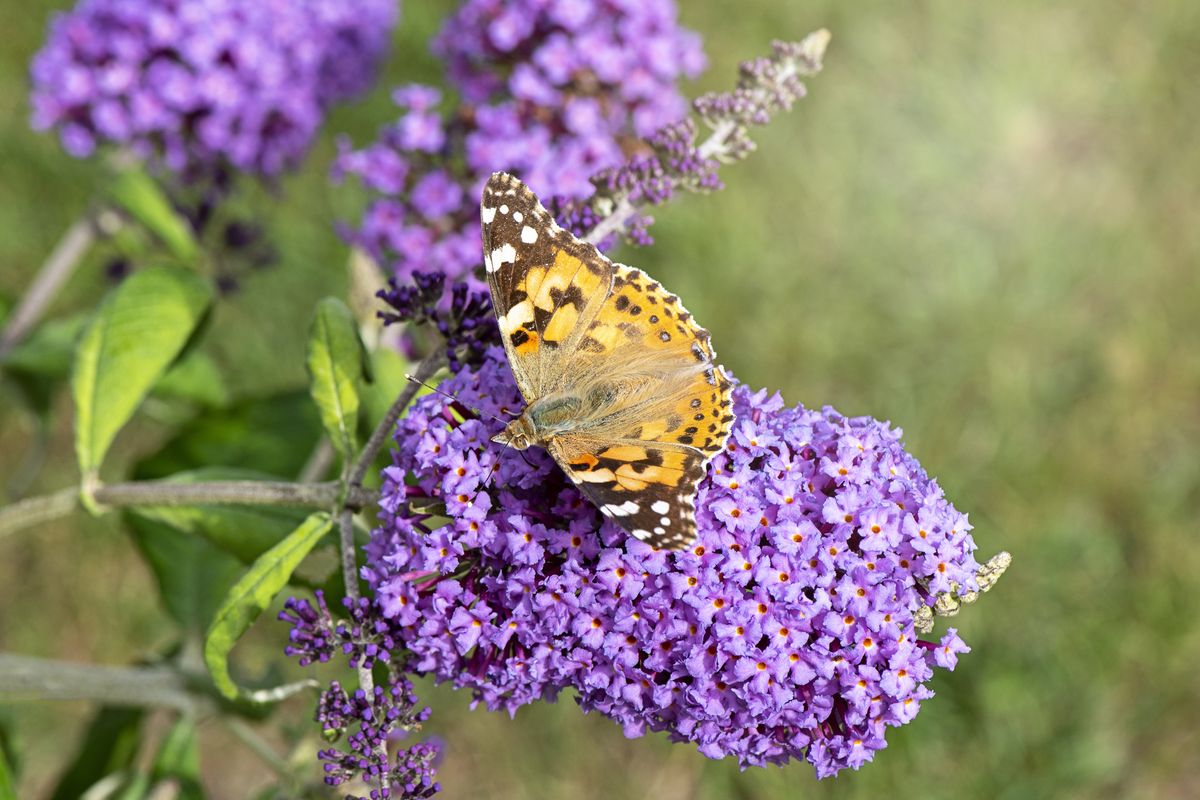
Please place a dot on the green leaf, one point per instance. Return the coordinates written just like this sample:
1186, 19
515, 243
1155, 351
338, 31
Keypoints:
8, 783
178, 761
136, 334
37, 367
194, 377
10, 756
192, 573
135, 787
144, 200
389, 369
336, 363
109, 745
271, 435
253, 593
48, 348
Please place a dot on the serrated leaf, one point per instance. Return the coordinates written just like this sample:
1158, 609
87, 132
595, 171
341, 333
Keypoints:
144, 200
194, 377
252, 595
335, 367
178, 761
271, 435
109, 745
136, 334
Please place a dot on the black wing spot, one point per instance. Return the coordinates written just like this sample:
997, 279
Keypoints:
673, 422
666, 337
518, 337
696, 402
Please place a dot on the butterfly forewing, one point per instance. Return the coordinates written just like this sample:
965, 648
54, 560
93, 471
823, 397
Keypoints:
653, 405
545, 283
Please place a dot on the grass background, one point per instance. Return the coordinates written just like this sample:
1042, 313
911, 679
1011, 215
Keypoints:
981, 225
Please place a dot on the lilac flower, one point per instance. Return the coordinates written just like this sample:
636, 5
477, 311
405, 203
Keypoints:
468, 325
550, 91
375, 718
676, 161
196, 84
786, 631
315, 636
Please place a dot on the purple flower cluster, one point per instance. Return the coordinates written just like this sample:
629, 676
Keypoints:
765, 86
198, 83
786, 631
315, 636
377, 717
550, 91
468, 326
603, 68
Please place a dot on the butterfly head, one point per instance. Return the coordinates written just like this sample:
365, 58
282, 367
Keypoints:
518, 434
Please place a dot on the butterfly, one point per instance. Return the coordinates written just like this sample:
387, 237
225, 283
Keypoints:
620, 383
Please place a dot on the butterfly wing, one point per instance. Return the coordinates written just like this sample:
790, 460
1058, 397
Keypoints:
664, 409
648, 488
656, 406
547, 286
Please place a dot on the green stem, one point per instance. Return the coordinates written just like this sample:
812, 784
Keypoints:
35, 510
425, 371
55, 272
24, 678
259, 746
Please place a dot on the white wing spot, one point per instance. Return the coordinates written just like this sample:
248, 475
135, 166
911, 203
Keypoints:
518, 216
659, 531
487, 214
623, 510
665, 520
641, 534
528, 234
504, 254
504, 208
660, 507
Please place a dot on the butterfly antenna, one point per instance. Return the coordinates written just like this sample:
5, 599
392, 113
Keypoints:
495, 466
477, 412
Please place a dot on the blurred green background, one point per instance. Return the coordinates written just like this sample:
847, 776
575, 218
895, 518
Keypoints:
981, 225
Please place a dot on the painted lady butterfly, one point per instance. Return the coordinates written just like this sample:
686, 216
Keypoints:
620, 381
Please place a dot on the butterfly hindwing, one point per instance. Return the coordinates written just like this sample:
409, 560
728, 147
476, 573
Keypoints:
647, 488
700, 411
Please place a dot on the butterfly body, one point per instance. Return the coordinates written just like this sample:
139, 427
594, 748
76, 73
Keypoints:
621, 383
